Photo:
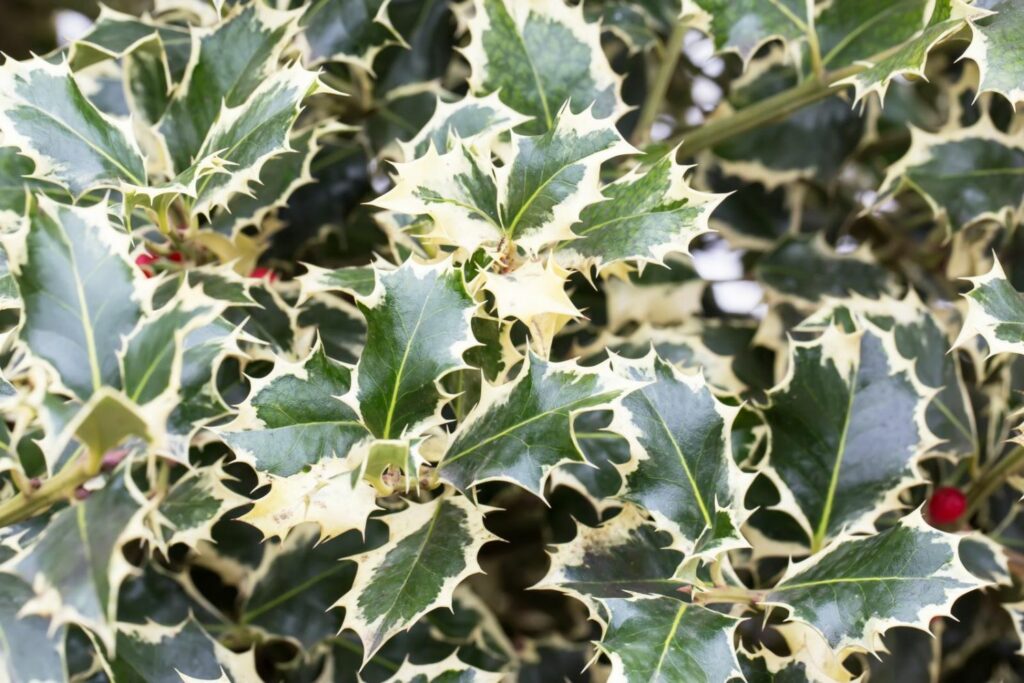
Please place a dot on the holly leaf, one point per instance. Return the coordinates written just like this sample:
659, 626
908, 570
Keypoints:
521, 430
532, 200
170, 654
966, 175
859, 587
681, 467
995, 311
351, 31
510, 53
76, 565
993, 47
194, 504
647, 214
655, 638
277, 605
330, 493
431, 548
625, 555
846, 429
45, 115
743, 27
296, 416
227, 66
417, 328
462, 120
29, 650
247, 136
79, 292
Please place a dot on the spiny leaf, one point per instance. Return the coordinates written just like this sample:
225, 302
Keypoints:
510, 52
681, 467
462, 120
296, 416
967, 175
745, 25
625, 555
532, 200
418, 327
76, 565
29, 650
224, 70
995, 311
858, 587
194, 504
431, 548
352, 31
663, 639
169, 654
846, 428
649, 213
521, 430
994, 46
79, 292
45, 115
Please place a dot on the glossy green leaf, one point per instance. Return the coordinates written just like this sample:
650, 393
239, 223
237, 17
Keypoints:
521, 430
994, 47
510, 52
352, 31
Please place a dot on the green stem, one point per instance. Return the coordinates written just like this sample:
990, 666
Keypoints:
55, 489
766, 111
656, 93
993, 478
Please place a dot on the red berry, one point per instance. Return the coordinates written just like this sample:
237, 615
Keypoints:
175, 256
143, 260
946, 505
261, 272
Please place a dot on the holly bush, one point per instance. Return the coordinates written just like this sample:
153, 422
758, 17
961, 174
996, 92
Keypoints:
632, 340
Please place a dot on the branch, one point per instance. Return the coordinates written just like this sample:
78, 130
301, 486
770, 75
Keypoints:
656, 93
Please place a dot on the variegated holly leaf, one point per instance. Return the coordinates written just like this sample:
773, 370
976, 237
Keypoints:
115, 35
246, 137
462, 120
532, 200
45, 115
296, 417
417, 328
431, 548
993, 46
79, 292
170, 654
625, 555
850, 31
76, 565
534, 293
228, 64
194, 504
29, 650
16, 184
967, 175
353, 280
521, 430
846, 428
649, 213
859, 587
275, 604
746, 25
995, 311
663, 639
908, 60
330, 493
278, 179
510, 52
351, 31
681, 467
151, 364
